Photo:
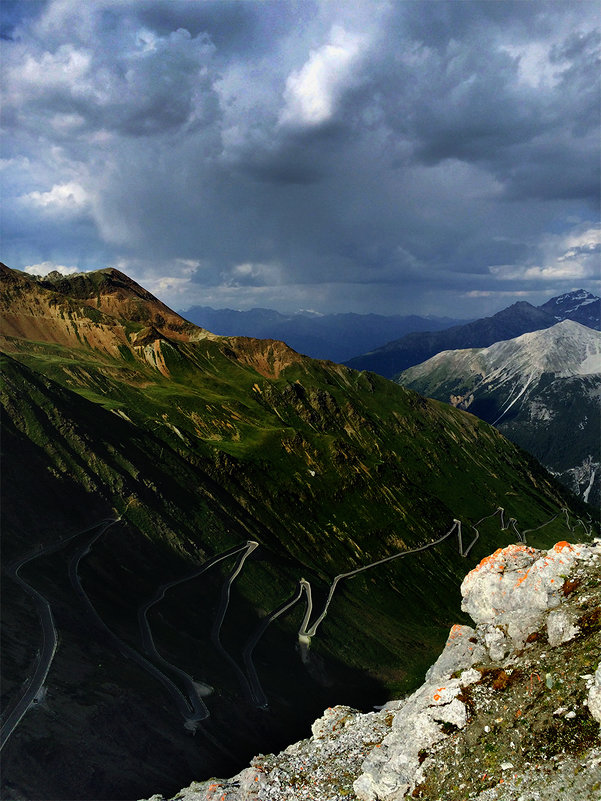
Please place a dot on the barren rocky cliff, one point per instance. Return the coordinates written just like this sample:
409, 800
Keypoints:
510, 710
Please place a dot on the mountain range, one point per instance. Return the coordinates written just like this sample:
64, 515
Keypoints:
178, 506
520, 318
323, 336
580, 306
542, 390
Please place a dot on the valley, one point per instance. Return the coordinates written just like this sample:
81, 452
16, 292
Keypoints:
201, 447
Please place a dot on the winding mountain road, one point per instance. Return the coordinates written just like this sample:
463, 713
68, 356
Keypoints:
191, 704
49, 634
306, 632
201, 711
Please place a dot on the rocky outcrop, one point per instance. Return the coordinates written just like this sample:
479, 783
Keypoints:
101, 310
510, 709
508, 593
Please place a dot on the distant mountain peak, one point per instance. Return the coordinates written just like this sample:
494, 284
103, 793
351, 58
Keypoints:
576, 294
578, 305
519, 304
540, 389
309, 313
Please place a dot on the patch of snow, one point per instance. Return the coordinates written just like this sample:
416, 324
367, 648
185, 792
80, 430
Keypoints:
591, 364
587, 491
517, 397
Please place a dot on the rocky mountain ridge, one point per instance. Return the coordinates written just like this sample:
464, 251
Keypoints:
511, 707
520, 318
104, 310
580, 306
565, 349
542, 390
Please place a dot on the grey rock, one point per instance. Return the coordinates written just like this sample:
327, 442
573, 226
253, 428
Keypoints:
509, 593
560, 627
454, 713
332, 719
594, 696
496, 642
391, 770
461, 651
519, 624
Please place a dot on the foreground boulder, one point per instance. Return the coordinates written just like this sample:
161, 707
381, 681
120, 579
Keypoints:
511, 708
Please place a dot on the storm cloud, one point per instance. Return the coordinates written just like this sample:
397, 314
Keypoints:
433, 157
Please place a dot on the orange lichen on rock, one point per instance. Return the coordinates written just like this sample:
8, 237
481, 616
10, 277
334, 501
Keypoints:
522, 578
497, 560
488, 561
456, 631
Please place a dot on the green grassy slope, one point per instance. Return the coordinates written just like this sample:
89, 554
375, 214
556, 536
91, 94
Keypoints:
330, 469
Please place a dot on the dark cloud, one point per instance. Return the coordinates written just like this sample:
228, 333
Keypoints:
14, 12
234, 27
310, 154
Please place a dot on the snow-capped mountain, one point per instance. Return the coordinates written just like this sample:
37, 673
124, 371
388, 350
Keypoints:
411, 349
580, 306
541, 389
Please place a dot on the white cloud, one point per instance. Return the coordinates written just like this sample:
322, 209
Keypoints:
72, 15
67, 67
570, 271
62, 197
313, 92
573, 256
534, 65
176, 288
588, 239
21, 163
45, 267
253, 274
488, 293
